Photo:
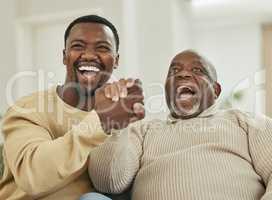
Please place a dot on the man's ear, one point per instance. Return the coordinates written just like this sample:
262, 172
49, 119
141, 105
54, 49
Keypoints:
116, 63
217, 89
64, 58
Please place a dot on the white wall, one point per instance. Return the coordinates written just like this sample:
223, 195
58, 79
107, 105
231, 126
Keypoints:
235, 50
230, 34
151, 33
7, 50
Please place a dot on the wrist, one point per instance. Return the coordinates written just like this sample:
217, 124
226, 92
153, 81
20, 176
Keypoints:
103, 121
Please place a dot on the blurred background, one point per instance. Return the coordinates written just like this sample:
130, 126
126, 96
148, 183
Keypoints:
235, 35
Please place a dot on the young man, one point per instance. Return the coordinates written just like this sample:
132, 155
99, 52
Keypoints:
49, 134
200, 152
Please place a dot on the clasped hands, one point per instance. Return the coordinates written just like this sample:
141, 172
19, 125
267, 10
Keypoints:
119, 103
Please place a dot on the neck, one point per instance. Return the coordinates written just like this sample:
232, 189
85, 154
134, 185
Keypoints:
76, 98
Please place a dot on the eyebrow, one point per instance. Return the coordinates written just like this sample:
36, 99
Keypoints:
206, 71
78, 40
84, 42
173, 64
199, 62
104, 42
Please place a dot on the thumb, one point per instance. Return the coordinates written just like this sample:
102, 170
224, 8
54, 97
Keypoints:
139, 110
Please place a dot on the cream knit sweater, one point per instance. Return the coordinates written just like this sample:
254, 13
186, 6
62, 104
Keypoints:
46, 148
220, 155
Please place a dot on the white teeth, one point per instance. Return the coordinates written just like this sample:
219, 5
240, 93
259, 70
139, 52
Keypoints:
89, 68
185, 96
182, 87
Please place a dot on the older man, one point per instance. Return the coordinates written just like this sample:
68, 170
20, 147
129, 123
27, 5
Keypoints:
200, 152
49, 134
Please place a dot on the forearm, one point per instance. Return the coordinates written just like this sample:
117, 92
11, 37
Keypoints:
114, 164
40, 164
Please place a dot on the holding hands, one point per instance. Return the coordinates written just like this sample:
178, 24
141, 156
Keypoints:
119, 103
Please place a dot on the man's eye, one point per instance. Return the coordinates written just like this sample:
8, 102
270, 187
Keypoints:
103, 48
197, 70
77, 46
174, 70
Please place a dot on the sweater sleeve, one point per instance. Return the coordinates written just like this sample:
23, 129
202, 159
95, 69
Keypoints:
114, 164
40, 164
260, 140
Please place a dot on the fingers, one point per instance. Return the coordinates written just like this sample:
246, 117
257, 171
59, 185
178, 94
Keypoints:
119, 89
130, 82
138, 112
135, 95
107, 91
136, 88
114, 89
140, 115
138, 82
122, 86
134, 98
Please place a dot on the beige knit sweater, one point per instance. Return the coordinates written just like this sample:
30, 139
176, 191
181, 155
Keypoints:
220, 155
46, 148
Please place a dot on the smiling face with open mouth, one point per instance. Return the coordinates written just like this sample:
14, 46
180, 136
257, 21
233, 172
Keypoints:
90, 56
190, 88
90, 75
186, 98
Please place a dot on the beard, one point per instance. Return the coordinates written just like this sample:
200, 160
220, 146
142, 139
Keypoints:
186, 111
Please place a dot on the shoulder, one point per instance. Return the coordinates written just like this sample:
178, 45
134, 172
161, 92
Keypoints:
249, 119
32, 100
28, 107
235, 114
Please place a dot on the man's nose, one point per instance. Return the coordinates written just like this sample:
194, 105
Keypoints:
184, 74
89, 54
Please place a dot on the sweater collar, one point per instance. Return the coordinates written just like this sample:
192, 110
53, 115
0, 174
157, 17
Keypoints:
206, 113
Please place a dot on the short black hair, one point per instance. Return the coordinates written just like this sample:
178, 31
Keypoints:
92, 19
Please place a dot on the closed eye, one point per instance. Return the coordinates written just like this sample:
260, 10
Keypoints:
103, 48
77, 46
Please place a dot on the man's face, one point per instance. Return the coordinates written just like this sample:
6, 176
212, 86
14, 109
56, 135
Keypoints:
189, 86
90, 56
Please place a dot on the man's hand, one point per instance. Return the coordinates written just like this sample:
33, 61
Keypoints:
119, 89
119, 104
